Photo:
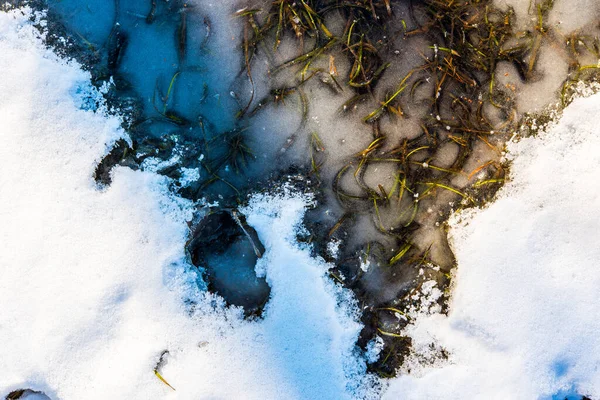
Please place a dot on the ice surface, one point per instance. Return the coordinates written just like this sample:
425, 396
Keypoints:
150, 58
94, 288
180, 71
344, 134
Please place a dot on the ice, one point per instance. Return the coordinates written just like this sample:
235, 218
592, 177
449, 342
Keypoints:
150, 58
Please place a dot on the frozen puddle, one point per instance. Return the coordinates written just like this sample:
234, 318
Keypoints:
395, 113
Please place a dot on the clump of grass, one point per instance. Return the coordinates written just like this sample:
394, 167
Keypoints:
468, 40
238, 151
305, 22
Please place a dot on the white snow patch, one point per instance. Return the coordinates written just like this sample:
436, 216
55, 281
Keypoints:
374, 348
188, 176
333, 248
523, 316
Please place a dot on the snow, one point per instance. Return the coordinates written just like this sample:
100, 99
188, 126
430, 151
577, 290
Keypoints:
188, 175
94, 286
95, 289
523, 314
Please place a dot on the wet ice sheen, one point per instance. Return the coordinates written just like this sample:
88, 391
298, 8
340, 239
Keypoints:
151, 58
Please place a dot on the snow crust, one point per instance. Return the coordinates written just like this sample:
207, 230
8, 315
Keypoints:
94, 288
523, 316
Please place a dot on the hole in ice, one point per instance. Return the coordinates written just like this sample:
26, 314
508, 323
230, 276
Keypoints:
228, 249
